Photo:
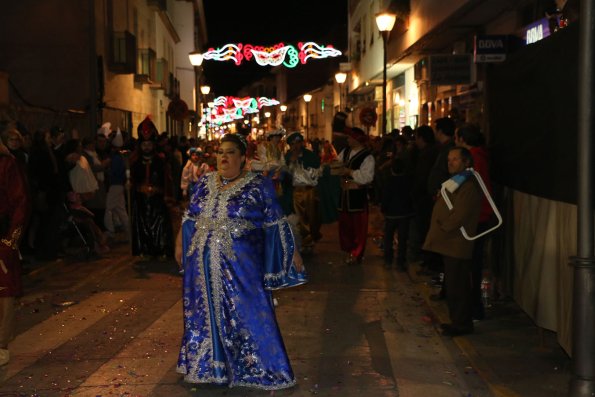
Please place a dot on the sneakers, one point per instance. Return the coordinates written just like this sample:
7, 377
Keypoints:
4, 356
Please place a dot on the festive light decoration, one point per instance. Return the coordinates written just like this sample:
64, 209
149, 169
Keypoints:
274, 55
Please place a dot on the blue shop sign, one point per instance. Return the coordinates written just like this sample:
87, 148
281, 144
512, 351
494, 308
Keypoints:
536, 31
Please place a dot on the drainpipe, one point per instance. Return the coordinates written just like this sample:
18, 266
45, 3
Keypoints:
582, 383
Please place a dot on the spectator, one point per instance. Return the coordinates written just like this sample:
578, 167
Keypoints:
470, 137
445, 238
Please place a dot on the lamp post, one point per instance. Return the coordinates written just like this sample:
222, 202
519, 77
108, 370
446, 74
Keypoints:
196, 59
283, 109
385, 22
205, 89
340, 78
307, 99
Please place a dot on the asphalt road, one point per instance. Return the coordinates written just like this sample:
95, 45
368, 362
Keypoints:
106, 327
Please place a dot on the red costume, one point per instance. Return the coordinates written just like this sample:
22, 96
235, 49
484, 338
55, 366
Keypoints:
14, 209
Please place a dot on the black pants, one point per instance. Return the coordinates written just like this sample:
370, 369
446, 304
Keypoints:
401, 227
457, 280
477, 273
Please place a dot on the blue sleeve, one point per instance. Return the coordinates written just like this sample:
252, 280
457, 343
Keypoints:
279, 270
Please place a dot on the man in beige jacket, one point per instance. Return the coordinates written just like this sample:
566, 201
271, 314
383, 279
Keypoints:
446, 239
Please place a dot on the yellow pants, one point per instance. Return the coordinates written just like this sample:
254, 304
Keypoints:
305, 205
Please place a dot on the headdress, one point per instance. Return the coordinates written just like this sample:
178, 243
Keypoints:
193, 150
277, 132
357, 134
295, 136
118, 140
147, 131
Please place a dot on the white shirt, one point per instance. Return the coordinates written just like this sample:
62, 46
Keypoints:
365, 174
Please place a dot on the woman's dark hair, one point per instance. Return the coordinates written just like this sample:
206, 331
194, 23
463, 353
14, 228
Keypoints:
237, 140
426, 133
471, 135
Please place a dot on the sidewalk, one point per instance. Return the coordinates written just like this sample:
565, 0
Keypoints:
508, 351
511, 354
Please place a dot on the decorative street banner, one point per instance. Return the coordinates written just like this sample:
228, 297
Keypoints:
228, 108
275, 55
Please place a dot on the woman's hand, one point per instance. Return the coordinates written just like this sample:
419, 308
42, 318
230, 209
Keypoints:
298, 261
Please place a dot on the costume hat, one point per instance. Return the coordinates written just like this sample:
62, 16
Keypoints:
277, 132
147, 131
294, 137
118, 140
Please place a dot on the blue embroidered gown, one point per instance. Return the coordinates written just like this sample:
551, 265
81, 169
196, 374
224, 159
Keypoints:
238, 247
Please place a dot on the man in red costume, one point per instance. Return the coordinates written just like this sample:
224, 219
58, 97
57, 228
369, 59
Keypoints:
14, 209
353, 204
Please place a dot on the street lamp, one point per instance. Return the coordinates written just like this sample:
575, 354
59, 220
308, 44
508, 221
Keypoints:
196, 59
385, 22
307, 99
340, 78
204, 90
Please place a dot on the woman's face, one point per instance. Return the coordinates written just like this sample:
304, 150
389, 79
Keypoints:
229, 160
14, 142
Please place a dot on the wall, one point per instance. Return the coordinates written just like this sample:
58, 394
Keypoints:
47, 53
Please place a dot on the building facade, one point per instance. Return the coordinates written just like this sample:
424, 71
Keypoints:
79, 64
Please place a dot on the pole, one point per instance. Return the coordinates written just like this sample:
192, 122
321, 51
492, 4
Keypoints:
197, 99
340, 97
384, 42
92, 71
307, 121
582, 383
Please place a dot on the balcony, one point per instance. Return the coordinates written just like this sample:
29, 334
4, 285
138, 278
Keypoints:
145, 66
121, 58
161, 81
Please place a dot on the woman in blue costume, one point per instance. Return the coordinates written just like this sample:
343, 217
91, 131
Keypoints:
235, 246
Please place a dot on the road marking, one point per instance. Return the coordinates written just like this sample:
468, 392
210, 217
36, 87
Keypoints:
36, 342
140, 366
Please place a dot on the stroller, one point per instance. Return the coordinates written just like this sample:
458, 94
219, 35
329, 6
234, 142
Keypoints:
80, 220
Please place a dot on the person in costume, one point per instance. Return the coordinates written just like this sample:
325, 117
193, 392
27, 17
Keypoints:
353, 205
150, 178
304, 168
235, 246
193, 170
14, 212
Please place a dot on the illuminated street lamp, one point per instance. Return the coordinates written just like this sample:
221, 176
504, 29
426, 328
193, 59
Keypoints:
205, 89
340, 78
307, 99
196, 59
283, 108
385, 22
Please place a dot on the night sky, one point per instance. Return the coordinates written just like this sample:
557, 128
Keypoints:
264, 23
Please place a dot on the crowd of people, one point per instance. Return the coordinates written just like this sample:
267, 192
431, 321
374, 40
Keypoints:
253, 207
